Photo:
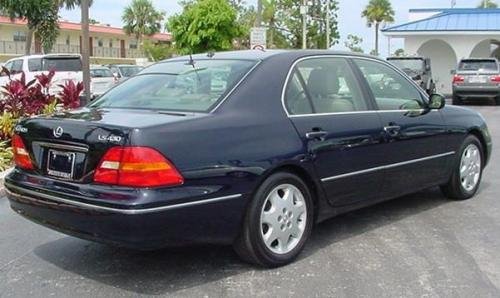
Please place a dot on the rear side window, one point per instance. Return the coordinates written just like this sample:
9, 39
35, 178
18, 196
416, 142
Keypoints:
55, 63
178, 86
323, 85
101, 73
475, 65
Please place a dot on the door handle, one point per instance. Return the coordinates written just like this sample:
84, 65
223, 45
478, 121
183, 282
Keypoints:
392, 130
316, 135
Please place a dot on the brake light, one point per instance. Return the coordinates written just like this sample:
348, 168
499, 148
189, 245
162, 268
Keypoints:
136, 167
495, 79
458, 79
21, 156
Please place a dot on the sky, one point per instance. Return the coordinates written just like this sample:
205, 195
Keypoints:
349, 16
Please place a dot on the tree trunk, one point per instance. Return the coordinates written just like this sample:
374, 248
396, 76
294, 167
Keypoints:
29, 41
85, 49
271, 34
376, 38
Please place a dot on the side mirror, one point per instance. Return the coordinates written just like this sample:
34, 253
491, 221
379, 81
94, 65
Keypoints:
436, 102
453, 72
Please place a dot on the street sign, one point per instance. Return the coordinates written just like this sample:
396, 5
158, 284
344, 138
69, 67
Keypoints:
258, 38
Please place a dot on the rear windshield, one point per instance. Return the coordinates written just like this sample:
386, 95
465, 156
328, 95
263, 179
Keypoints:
129, 71
475, 65
101, 73
408, 64
55, 63
177, 86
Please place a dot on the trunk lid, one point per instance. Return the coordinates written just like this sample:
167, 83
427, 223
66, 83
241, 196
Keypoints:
69, 145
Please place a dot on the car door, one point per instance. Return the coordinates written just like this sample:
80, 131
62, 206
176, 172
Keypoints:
415, 136
339, 128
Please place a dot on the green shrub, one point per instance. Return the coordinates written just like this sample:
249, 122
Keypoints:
5, 155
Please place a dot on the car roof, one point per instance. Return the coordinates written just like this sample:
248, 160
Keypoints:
405, 58
266, 54
479, 59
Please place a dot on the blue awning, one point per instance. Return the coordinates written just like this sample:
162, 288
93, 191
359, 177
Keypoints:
453, 20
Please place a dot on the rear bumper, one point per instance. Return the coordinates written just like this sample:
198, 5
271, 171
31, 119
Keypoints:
214, 220
476, 91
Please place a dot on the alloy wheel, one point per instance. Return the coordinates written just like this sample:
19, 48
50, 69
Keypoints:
470, 167
283, 218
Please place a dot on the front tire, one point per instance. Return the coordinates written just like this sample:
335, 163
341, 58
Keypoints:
278, 222
467, 171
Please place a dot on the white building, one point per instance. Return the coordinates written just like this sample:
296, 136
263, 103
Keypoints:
448, 35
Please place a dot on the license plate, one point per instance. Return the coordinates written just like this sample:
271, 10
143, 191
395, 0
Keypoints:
477, 79
61, 164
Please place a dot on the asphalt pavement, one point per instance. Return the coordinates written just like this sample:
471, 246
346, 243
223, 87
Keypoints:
418, 245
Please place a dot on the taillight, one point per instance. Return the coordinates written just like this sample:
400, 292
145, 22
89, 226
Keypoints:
495, 79
136, 167
21, 156
458, 79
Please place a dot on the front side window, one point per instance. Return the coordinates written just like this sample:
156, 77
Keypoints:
17, 66
177, 86
390, 89
323, 85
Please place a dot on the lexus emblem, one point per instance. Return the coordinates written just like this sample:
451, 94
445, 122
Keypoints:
58, 132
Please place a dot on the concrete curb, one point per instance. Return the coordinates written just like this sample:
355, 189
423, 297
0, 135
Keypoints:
2, 175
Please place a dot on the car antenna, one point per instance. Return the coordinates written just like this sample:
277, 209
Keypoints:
191, 62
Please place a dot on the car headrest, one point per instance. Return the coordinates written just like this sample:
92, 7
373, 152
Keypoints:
323, 82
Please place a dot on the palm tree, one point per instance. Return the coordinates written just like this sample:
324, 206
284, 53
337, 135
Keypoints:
141, 18
376, 13
487, 4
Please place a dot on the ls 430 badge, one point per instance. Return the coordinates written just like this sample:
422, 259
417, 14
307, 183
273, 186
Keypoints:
110, 138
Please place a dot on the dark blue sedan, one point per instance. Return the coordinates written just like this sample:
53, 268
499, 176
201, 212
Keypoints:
246, 148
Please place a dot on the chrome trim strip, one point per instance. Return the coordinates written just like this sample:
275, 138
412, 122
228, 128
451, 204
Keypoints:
390, 166
236, 86
110, 209
345, 56
62, 146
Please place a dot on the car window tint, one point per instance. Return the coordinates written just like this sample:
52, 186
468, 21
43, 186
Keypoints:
17, 66
296, 100
391, 90
35, 64
331, 85
178, 85
62, 64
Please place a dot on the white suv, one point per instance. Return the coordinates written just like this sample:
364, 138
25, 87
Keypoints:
67, 67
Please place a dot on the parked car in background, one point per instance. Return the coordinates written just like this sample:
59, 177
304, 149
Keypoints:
476, 78
67, 67
124, 71
419, 69
101, 80
249, 148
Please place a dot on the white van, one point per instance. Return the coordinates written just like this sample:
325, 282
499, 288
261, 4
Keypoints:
67, 67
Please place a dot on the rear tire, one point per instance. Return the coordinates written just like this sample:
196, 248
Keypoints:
278, 222
467, 171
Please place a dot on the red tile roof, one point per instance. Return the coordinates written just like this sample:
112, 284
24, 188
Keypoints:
65, 25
